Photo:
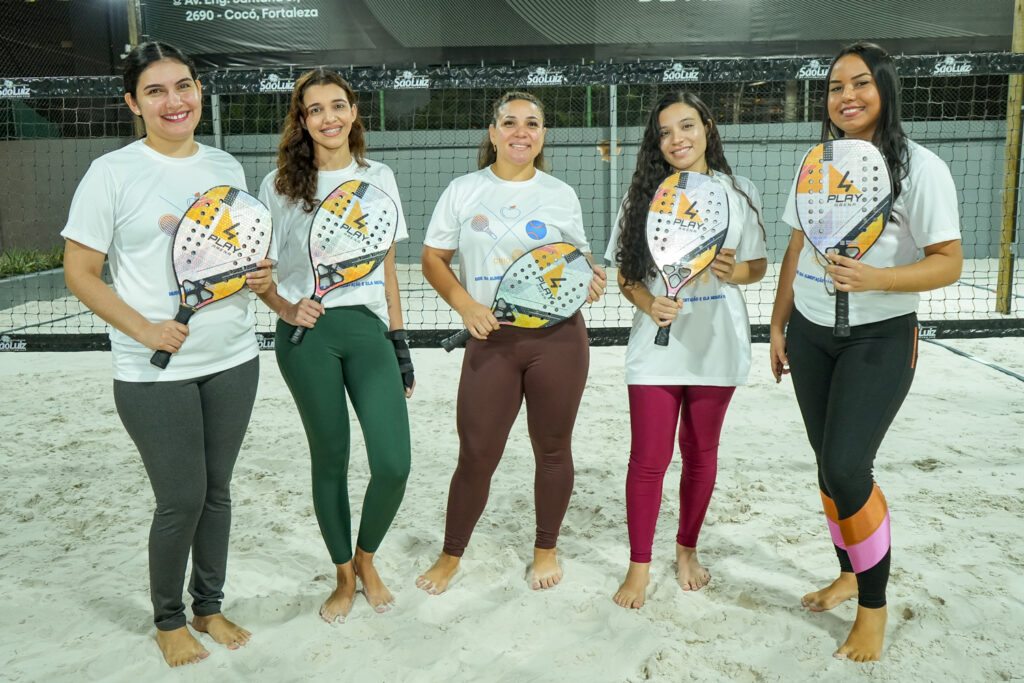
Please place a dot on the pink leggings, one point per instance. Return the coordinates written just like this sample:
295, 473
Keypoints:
654, 412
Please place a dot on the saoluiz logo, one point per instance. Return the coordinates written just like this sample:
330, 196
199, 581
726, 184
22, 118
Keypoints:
951, 66
544, 76
274, 83
408, 79
812, 69
680, 74
12, 89
8, 344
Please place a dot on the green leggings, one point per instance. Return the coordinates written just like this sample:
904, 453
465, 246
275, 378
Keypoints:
347, 351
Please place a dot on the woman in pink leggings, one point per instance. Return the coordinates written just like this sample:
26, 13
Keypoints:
689, 382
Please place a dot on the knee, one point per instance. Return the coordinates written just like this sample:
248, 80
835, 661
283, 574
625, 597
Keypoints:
183, 506
393, 472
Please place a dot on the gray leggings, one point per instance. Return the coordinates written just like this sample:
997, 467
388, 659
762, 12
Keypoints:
188, 433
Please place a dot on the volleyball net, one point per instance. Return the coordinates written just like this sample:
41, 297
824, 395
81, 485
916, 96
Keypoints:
426, 124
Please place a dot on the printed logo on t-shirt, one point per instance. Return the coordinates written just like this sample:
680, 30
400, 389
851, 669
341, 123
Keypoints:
479, 223
536, 230
510, 211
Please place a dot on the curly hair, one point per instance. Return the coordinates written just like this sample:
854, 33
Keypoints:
888, 136
487, 154
296, 166
632, 255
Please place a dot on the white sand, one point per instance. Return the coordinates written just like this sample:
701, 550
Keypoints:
75, 507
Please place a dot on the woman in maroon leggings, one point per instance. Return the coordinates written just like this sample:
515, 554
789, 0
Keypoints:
490, 217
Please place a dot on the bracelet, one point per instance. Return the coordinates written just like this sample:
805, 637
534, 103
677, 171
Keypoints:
893, 283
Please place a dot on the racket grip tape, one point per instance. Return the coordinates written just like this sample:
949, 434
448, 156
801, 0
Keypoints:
842, 327
160, 359
457, 339
661, 339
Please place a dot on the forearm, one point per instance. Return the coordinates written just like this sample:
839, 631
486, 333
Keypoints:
637, 294
749, 272
97, 295
273, 300
392, 295
940, 266
783, 306
441, 277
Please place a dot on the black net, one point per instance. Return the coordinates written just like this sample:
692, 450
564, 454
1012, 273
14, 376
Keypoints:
426, 126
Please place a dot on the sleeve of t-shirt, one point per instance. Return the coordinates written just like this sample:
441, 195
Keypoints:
269, 197
613, 238
444, 228
575, 233
391, 187
91, 217
934, 214
789, 216
752, 245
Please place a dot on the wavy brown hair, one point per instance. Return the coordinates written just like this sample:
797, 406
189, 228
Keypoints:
633, 255
296, 164
487, 154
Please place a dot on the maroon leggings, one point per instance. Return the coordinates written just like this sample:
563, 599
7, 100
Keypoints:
654, 412
549, 368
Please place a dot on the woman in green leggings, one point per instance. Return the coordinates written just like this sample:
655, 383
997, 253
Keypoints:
355, 343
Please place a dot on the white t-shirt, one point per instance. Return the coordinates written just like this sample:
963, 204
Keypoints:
491, 222
128, 206
709, 341
291, 235
925, 213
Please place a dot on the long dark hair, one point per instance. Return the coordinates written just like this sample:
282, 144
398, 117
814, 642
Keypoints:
888, 136
486, 154
296, 170
633, 256
144, 54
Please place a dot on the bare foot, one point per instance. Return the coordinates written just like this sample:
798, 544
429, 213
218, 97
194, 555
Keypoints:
180, 647
338, 605
840, 590
436, 579
864, 644
377, 594
546, 573
633, 590
691, 574
221, 630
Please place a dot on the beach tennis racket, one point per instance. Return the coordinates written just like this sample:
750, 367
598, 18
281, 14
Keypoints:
686, 227
221, 237
541, 288
351, 234
843, 200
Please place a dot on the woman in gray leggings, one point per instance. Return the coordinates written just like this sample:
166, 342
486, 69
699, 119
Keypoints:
187, 420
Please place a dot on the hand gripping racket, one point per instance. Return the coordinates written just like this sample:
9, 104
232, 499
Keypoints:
686, 228
220, 238
541, 288
351, 234
843, 200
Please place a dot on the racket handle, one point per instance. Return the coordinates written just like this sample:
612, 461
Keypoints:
297, 334
457, 339
161, 358
661, 339
842, 328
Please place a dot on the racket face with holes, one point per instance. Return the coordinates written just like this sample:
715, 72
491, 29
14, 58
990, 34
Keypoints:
686, 227
543, 287
352, 231
843, 196
221, 237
